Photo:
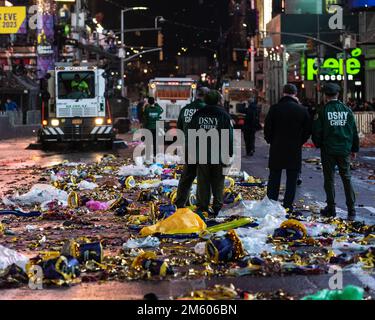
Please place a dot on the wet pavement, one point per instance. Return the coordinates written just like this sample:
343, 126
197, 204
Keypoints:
20, 167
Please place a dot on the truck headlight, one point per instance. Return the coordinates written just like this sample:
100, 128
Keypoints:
99, 121
55, 122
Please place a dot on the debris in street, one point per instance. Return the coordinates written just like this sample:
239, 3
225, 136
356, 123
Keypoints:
348, 293
92, 222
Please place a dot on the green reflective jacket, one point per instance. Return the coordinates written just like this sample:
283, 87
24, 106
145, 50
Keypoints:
334, 129
151, 114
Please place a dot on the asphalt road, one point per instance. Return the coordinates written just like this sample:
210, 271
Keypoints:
16, 168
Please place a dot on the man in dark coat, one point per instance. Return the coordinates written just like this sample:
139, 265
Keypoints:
190, 170
250, 127
211, 118
287, 128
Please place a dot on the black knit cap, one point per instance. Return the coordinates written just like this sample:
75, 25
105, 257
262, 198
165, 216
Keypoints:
290, 89
331, 89
212, 98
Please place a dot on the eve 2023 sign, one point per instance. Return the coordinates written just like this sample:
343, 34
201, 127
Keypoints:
332, 69
11, 19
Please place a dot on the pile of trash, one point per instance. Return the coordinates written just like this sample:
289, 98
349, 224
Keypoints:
116, 220
219, 292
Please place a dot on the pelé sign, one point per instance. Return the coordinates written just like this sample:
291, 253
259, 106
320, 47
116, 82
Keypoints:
333, 69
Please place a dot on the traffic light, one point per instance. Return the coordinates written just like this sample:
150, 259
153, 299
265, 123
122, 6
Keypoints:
160, 45
160, 39
234, 55
310, 44
252, 22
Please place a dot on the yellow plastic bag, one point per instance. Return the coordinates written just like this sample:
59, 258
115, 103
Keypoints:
181, 222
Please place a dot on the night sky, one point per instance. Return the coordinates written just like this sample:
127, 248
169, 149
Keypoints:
203, 20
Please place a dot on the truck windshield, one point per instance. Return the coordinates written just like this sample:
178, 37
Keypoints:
76, 85
175, 92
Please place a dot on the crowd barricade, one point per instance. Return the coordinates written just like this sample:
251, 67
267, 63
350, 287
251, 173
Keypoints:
364, 120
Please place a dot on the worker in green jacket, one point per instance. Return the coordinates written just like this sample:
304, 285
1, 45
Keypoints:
335, 133
152, 114
190, 170
79, 85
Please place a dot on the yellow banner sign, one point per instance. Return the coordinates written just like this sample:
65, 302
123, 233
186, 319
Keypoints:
11, 19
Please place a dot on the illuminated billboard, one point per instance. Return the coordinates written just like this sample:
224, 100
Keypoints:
332, 68
359, 4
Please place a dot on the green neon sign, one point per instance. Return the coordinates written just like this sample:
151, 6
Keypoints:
335, 67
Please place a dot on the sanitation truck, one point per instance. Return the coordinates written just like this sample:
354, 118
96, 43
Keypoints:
77, 108
172, 94
236, 96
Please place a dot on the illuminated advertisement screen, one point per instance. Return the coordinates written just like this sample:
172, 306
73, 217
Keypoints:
355, 4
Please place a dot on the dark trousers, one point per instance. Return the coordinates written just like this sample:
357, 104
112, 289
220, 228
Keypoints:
210, 179
329, 163
153, 131
273, 188
188, 176
249, 141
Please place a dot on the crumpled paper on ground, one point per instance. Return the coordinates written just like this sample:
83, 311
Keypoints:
149, 242
40, 193
86, 185
9, 257
133, 170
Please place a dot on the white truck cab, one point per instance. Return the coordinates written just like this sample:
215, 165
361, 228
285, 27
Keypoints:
236, 94
77, 109
172, 94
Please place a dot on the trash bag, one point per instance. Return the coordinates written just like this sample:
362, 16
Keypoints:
150, 184
348, 293
171, 183
134, 170
85, 185
149, 242
156, 169
254, 241
258, 209
200, 248
267, 207
53, 205
9, 257
184, 221
97, 205
40, 193
315, 229
241, 208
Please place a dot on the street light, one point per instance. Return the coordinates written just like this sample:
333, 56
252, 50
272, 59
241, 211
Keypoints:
123, 42
159, 19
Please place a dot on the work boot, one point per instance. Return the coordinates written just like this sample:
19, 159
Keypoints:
328, 212
352, 214
214, 212
203, 214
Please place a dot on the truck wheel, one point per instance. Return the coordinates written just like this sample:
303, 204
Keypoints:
44, 145
108, 145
